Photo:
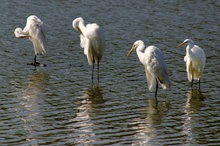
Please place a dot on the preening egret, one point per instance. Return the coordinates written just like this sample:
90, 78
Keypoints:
35, 31
195, 60
92, 39
154, 64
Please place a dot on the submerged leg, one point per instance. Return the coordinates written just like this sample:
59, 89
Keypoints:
93, 63
98, 70
35, 59
156, 89
35, 63
192, 73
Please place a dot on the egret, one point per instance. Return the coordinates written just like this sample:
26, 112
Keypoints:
195, 60
35, 31
154, 64
92, 39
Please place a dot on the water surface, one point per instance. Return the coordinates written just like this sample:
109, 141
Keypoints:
59, 105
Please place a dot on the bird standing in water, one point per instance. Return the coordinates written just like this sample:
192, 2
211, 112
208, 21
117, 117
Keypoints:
154, 64
92, 39
195, 60
35, 31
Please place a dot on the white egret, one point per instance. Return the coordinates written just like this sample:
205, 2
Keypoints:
195, 60
35, 31
92, 39
154, 64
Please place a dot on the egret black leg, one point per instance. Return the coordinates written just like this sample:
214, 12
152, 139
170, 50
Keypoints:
192, 73
199, 84
156, 89
93, 63
35, 63
35, 59
98, 70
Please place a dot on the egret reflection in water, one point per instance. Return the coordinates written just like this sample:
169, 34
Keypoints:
194, 100
31, 90
29, 97
95, 95
193, 105
155, 111
83, 123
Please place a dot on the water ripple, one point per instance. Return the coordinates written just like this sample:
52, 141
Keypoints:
59, 105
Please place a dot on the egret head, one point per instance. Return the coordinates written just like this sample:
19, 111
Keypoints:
132, 49
186, 41
32, 18
135, 45
76, 22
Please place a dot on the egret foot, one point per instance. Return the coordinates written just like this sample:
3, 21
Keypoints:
34, 64
43, 65
37, 64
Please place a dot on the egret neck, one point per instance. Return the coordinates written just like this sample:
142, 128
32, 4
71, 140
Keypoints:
189, 51
140, 53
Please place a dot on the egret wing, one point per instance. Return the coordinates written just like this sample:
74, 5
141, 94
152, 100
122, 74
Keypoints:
157, 67
38, 37
199, 55
95, 41
20, 34
151, 81
198, 63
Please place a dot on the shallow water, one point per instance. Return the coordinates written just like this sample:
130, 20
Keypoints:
59, 105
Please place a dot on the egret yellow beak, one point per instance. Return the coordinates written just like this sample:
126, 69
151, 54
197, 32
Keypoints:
132, 49
79, 30
28, 36
181, 44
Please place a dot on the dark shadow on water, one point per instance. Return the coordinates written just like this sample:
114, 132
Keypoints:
192, 106
87, 112
155, 111
33, 87
194, 100
28, 93
94, 94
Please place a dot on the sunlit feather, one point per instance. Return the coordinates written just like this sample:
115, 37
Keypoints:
155, 66
35, 31
92, 40
195, 60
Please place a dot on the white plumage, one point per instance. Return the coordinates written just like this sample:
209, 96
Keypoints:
92, 39
35, 31
155, 66
195, 60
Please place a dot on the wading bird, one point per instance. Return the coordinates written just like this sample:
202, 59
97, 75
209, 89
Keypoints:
195, 60
35, 31
154, 64
92, 39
